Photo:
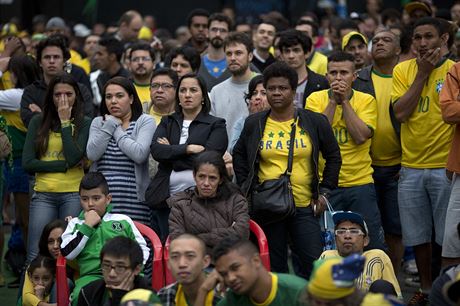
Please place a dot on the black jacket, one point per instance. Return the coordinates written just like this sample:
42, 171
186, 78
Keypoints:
205, 130
246, 151
93, 293
316, 82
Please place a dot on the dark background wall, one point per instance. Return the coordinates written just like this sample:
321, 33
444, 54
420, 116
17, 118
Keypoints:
169, 13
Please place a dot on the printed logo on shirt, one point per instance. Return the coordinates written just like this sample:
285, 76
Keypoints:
439, 84
117, 226
280, 141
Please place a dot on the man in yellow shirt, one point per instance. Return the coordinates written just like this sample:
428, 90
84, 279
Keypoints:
351, 236
353, 117
423, 189
141, 67
162, 94
377, 80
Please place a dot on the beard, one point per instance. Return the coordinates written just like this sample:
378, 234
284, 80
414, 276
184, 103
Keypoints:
217, 42
240, 70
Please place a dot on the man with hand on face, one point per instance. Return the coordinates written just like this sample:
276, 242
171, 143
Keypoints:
121, 264
239, 265
424, 189
353, 117
187, 261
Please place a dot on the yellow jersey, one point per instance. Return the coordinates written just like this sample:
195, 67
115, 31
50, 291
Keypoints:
425, 138
318, 63
274, 150
143, 91
386, 146
356, 160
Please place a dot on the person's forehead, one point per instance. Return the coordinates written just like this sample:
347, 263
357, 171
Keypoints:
199, 19
217, 23
140, 53
355, 41
343, 65
296, 46
115, 259
236, 46
91, 192
385, 34
162, 78
425, 28
277, 80
348, 224
185, 245
179, 58
52, 50
231, 258
266, 27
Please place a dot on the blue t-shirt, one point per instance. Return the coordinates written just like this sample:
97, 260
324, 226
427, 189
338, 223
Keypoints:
215, 68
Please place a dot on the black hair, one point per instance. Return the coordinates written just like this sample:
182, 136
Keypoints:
347, 24
290, 38
168, 72
281, 70
93, 180
51, 121
113, 46
435, 22
233, 243
340, 56
221, 18
206, 107
53, 41
390, 14
25, 69
405, 39
450, 29
121, 246
142, 46
258, 79
196, 12
314, 26
128, 86
239, 38
42, 261
43, 242
190, 55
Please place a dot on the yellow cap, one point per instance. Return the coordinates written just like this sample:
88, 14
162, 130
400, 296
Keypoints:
353, 34
322, 284
142, 295
9, 29
145, 34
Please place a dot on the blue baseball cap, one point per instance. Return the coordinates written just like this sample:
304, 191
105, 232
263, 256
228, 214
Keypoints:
340, 216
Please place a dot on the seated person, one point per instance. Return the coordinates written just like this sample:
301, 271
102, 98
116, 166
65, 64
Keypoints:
41, 273
333, 283
214, 208
86, 234
239, 264
187, 261
121, 263
351, 237
49, 247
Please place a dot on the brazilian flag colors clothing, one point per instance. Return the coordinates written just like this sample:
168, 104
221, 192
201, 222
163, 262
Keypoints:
286, 291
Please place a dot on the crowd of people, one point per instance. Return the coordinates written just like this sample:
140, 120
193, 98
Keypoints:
350, 119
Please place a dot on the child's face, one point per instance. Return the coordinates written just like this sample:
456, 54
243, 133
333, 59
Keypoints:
41, 276
94, 199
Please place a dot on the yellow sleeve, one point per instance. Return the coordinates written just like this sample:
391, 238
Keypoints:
329, 254
28, 295
315, 102
389, 273
367, 111
400, 86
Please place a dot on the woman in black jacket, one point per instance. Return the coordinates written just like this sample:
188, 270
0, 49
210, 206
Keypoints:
176, 142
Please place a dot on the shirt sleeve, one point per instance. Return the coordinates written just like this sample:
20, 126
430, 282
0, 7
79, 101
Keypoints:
367, 111
315, 102
400, 85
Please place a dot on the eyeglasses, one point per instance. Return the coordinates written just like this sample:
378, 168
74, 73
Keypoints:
164, 86
106, 268
141, 58
350, 231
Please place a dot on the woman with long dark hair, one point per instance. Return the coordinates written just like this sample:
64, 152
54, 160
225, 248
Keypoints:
54, 150
177, 141
119, 146
214, 208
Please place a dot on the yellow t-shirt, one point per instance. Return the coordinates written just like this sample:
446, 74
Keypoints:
385, 147
274, 149
6, 81
425, 138
377, 266
356, 161
14, 119
143, 91
272, 294
318, 63
68, 181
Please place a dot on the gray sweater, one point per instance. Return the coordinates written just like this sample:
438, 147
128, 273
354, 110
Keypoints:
135, 146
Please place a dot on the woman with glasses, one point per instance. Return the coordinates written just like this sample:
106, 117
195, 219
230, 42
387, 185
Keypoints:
176, 143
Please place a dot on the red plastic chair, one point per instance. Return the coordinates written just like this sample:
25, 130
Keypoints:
253, 228
62, 286
157, 264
